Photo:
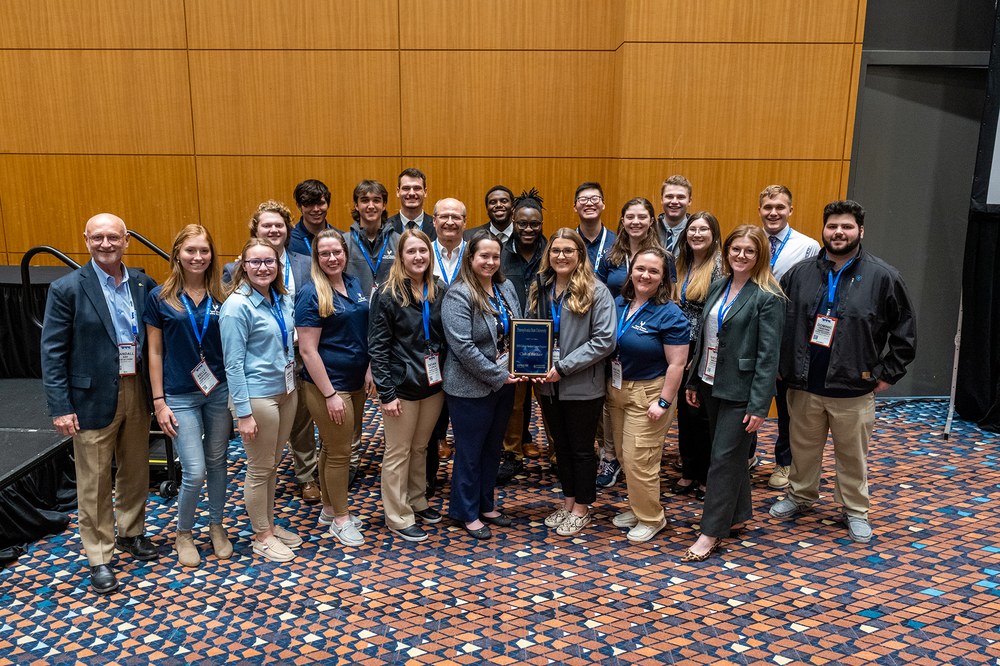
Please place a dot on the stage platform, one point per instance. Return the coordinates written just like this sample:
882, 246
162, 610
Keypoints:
27, 437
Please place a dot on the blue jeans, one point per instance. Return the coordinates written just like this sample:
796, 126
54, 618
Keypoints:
204, 424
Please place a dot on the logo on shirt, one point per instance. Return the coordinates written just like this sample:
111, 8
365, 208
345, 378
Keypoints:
641, 327
361, 297
216, 308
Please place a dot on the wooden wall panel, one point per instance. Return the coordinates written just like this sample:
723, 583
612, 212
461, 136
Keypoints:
296, 102
730, 188
154, 195
740, 21
516, 25
92, 24
292, 24
133, 102
231, 188
463, 104
735, 100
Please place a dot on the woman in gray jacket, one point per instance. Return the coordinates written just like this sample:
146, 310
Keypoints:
571, 395
476, 312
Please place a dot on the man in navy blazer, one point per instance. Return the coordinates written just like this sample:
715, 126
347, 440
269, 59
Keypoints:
96, 386
411, 190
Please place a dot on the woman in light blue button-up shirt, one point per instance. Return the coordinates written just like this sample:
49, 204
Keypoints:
257, 324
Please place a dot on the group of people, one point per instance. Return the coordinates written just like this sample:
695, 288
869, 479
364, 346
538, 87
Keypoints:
661, 316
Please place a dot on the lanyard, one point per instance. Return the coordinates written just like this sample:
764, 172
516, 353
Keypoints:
199, 335
625, 324
781, 247
832, 280
305, 237
368, 257
288, 268
723, 308
504, 320
427, 316
279, 317
684, 287
600, 248
556, 312
458, 264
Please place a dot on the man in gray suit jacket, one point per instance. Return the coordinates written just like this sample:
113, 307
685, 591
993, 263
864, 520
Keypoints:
96, 386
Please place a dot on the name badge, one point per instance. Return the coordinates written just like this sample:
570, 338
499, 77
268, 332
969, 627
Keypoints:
204, 377
711, 359
290, 377
126, 358
433, 366
503, 360
555, 354
823, 329
616, 374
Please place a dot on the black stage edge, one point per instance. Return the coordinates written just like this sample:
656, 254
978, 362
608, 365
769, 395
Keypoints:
37, 478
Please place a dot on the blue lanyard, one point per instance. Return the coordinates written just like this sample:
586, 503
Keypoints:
279, 316
288, 268
504, 320
600, 248
684, 287
305, 238
832, 280
368, 257
723, 308
427, 316
625, 324
781, 247
556, 312
199, 335
458, 264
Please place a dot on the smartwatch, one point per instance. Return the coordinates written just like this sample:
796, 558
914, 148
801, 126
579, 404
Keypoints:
664, 404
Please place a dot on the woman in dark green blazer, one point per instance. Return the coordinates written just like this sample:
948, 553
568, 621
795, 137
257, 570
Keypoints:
732, 373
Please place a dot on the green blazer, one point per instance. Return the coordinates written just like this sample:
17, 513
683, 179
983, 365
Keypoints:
749, 346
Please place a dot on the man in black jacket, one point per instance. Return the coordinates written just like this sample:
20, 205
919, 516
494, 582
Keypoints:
849, 333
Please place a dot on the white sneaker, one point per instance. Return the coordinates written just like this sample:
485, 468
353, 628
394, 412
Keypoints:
626, 519
290, 539
326, 520
346, 534
752, 462
779, 477
272, 549
573, 524
556, 518
643, 532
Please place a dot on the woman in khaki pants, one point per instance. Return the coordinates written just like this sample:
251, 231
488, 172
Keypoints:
646, 372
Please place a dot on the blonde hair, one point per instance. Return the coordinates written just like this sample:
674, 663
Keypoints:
761, 273
272, 206
396, 285
701, 275
174, 284
240, 274
324, 292
580, 293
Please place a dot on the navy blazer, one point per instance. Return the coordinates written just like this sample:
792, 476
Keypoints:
79, 347
426, 226
301, 269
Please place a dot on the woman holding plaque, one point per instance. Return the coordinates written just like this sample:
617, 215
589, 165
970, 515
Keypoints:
190, 394
407, 348
256, 324
571, 394
477, 312
646, 371
732, 374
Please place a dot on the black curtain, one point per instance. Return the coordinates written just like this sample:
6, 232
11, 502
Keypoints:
37, 504
977, 395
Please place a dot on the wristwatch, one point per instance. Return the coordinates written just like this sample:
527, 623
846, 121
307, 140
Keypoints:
664, 404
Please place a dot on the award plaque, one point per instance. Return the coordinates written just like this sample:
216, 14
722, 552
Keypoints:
530, 347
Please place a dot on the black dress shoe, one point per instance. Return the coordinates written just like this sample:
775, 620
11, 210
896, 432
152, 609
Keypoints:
699, 494
139, 547
677, 489
500, 521
428, 515
481, 534
411, 533
102, 579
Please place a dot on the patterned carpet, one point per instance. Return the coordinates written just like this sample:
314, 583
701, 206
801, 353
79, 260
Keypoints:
926, 590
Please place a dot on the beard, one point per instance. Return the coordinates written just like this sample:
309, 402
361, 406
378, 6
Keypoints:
848, 249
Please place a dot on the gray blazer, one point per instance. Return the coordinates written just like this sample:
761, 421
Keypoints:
584, 342
470, 369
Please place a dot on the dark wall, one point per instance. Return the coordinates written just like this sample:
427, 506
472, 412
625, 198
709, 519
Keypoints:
929, 25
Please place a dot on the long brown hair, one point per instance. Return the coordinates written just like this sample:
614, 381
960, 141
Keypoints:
621, 249
174, 284
701, 275
480, 299
761, 273
324, 292
240, 274
396, 285
580, 296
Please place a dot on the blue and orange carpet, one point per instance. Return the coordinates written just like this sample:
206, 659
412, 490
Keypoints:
926, 590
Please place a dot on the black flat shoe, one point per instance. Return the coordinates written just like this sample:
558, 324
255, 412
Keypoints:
677, 489
139, 547
500, 521
699, 494
482, 533
102, 579
429, 515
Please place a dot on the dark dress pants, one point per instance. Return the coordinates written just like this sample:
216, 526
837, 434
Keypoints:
727, 493
572, 427
694, 438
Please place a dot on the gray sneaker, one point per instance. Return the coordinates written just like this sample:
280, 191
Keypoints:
626, 519
346, 534
786, 508
859, 529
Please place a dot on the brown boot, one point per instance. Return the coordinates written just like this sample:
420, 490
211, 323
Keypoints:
187, 552
220, 541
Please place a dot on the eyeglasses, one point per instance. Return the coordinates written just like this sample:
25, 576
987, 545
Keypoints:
747, 252
112, 239
592, 199
326, 254
563, 252
529, 225
449, 216
257, 263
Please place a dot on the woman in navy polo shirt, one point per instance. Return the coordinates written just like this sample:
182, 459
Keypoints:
188, 379
331, 319
646, 372
636, 232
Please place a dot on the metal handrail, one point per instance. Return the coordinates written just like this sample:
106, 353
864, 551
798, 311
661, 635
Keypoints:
26, 302
150, 244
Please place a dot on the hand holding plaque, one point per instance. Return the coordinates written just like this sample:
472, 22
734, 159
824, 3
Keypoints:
530, 347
